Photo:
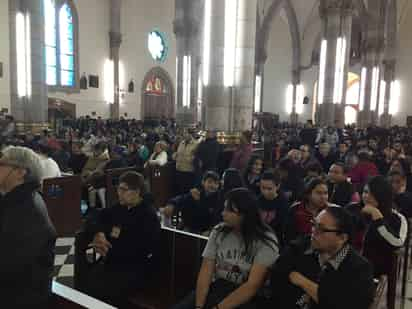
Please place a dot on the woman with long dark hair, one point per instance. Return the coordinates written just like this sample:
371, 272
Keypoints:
384, 228
253, 172
302, 213
238, 255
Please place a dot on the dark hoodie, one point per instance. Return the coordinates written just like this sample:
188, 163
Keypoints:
198, 216
27, 239
274, 213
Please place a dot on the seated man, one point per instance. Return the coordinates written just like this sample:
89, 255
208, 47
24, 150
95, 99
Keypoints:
127, 237
27, 236
199, 208
324, 272
340, 190
272, 205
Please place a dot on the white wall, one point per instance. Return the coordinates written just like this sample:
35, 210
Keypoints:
278, 68
138, 19
404, 69
4, 55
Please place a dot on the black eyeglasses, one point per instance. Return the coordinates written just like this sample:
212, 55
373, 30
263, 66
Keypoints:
316, 227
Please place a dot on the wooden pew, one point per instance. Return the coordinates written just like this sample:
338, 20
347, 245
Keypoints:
160, 180
64, 297
111, 181
62, 197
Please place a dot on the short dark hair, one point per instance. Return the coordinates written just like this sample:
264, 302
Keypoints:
344, 220
210, 175
396, 173
273, 176
341, 165
134, 180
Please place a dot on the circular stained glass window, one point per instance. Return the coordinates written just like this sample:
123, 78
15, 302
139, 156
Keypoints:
157, 45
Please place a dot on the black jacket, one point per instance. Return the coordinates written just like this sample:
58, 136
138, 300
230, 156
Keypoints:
349, 286
198, 216
341, 193
137, 244
27, 240
207, 155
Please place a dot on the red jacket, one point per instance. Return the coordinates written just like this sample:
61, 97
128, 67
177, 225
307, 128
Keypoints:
361, 172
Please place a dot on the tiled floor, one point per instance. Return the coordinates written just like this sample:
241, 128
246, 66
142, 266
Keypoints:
64, 261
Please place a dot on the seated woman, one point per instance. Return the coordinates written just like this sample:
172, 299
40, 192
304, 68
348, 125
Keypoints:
301, 214
379, 225
127, 236
238, 256
253, 173
159, 155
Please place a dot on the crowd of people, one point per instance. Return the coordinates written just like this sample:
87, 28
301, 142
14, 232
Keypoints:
307, 223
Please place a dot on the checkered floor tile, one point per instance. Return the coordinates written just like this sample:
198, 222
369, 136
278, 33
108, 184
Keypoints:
64, 261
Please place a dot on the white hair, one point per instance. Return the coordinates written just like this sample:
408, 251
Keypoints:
25, 158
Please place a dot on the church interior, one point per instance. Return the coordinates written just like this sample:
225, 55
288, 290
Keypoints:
147, 125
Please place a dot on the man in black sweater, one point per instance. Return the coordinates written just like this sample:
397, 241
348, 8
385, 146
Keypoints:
340, 190
27, 235
273, 206
127, 237
324, 272
200, 209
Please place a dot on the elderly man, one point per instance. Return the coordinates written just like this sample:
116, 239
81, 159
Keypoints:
324, 272
27, 236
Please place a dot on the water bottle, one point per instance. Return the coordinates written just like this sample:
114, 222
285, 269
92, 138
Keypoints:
83, 207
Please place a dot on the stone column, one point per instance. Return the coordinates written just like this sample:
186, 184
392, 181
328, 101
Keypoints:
373, 47
187, 28
295, 83
371, 60
231, 108
336, 23
115, 37
29, 110
388, 77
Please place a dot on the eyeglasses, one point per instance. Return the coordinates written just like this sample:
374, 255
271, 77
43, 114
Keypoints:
316, 227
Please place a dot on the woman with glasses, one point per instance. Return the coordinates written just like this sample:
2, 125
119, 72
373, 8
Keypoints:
127, 237
380, 228
237, 257
322, 270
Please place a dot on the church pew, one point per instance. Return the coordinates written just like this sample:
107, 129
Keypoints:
62, 197
64, 297
160, 180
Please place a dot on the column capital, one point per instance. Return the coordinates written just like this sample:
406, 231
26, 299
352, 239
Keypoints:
115, 39
186, 27
389, 70
345, 7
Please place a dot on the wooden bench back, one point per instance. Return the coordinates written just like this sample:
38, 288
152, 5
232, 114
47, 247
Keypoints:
62, 197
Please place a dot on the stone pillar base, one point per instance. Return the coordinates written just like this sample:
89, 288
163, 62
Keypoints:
339, 115
385, 120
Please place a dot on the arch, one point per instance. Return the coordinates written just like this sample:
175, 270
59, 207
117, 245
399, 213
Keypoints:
66, 68
266, 27
169, 95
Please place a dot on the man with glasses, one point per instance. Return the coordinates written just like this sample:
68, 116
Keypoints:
324, 271
127, 237
27, 236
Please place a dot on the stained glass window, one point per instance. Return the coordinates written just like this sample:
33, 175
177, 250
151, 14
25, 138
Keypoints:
60, 45
50, 42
